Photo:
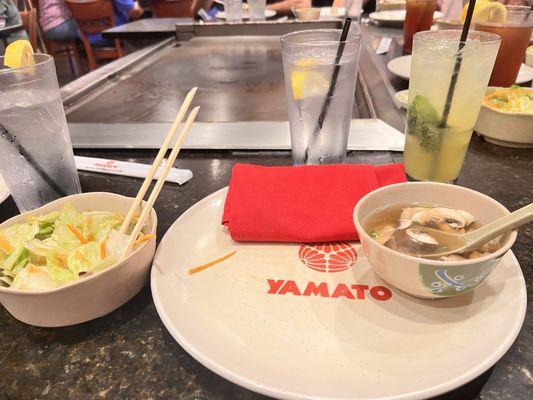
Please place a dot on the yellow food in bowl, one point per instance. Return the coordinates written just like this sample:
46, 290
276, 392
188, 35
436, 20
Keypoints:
513, 99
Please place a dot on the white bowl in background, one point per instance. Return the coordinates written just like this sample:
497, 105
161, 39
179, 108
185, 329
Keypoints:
505, 128
529, 56
4, 191
92, 296
307, 13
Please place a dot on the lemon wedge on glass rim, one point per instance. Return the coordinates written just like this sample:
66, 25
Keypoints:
490, 12
307, 82
19, 54
486, 11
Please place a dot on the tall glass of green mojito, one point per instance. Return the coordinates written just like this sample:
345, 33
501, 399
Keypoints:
436, 144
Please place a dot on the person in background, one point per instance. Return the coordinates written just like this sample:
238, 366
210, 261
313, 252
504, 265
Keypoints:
284, 7
199, 4
125, 11
10, 14
56, 20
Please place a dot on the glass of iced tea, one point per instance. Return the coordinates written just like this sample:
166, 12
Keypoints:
418, 17
515, 32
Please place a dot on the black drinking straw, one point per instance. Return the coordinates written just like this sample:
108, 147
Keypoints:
457, 65
8, 136
332, 84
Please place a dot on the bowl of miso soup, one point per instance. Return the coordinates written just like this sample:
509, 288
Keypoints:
388, 221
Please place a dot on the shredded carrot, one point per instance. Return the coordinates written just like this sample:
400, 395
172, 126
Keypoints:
77, 233
210, 264
5, 246
103, 252
143, 238
497, 93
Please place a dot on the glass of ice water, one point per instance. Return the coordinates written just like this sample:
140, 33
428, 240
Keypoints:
233, 10
256, 9
320, 77
36, 157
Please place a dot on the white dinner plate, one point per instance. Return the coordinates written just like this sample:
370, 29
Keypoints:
4, 191
394, 17
402, 97
253, 318
268, 14
401, 66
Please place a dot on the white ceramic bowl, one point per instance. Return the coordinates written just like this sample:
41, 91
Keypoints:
422, 277
307, 13
529, 56
90, 297
505, 128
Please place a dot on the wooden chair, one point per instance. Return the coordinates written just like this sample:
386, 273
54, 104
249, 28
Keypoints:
29, 20
172, 8
95, 16
55, 47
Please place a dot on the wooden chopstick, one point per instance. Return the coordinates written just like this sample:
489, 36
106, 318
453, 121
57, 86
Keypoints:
160, 181
162, 151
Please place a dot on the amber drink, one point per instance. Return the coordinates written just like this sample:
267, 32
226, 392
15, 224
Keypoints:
515, 32
419, 17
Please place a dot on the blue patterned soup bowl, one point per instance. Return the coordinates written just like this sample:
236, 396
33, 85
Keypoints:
427, 278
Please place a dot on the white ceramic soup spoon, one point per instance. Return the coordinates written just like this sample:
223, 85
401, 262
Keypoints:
451, 243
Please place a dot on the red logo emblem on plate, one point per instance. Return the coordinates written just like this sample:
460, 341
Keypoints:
328, 257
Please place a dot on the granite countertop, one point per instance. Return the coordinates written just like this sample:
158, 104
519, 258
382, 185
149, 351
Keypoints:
130, 354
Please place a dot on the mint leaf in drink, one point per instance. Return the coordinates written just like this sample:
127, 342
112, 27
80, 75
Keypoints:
422, 121
421, 108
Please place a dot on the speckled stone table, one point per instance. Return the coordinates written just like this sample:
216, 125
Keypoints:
128, 354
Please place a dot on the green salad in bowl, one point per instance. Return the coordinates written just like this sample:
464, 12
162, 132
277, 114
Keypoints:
506, 116
512, 99
50, 250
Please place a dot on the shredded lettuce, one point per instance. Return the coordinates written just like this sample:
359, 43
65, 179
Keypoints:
50, 250
16, 261
512, 99
35, 277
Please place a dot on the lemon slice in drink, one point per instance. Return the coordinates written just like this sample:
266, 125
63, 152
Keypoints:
19, 54
307, 82
490, 12
479, 3
486, 11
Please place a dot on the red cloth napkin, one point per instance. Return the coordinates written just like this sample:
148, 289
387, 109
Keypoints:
300, 204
